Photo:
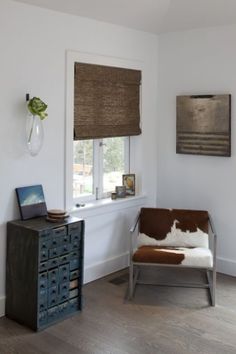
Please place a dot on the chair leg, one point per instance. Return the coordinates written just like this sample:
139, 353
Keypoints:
214, 286
131, 280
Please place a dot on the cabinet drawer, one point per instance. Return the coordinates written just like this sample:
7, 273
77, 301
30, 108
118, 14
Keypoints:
64, 292
75, 244
74, 228
74, 254
43, 280
42, 300
64, 273
43, 244
75, 237
52, 313
63, 308
74, 264
64, 288
52, 301
43, 255
64, 239
65, 248
74, 284
42, 319
53, 277
43, 266
54, 252
63, 297
73, 304
60, 231
74, 293
52, 296
54, 242
52, 263
64, 259
74, 274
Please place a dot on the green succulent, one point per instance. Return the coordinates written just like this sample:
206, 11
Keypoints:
37, 107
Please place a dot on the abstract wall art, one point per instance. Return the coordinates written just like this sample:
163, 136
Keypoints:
203, 125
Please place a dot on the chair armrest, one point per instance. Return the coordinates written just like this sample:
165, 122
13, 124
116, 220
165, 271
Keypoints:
212, 226
214, 236
133, 228
135, 223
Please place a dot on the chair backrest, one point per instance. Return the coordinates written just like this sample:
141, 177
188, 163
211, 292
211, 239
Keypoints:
181, 225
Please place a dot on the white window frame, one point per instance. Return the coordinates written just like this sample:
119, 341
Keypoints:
71, 58
98, 174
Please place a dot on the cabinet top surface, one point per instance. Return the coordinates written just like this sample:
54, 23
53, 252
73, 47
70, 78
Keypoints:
40, 223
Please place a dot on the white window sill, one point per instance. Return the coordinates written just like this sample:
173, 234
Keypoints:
107, 205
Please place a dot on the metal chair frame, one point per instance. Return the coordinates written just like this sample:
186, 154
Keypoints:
210, 285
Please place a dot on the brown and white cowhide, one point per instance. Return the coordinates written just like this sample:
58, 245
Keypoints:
192, 257
178, 247
177, 238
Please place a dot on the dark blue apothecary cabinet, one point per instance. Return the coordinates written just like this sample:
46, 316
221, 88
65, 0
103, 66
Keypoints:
44, 272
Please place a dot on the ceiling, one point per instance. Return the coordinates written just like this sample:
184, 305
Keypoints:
155, 16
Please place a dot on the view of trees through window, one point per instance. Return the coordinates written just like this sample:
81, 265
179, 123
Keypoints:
111, 151
113, 163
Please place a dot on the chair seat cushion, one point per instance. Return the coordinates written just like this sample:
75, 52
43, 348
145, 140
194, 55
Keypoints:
193, 257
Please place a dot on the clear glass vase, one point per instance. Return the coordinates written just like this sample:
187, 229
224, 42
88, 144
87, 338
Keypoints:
34, 134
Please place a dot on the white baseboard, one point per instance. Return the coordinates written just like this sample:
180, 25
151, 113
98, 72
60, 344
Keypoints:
110, 265
226, 266
2, 306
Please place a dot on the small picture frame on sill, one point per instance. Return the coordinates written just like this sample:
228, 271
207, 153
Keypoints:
129, 183
120, 192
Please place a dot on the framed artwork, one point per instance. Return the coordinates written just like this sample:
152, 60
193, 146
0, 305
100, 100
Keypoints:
31, 201
120, 192
129, 183
203, 125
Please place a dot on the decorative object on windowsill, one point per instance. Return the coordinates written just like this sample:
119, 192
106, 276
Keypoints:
120, 192
57, 215
128, 181
113, 195
31, 201
34, 126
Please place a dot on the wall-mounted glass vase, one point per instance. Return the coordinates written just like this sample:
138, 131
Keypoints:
34, 134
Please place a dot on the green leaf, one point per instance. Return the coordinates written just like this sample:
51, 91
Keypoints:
37, 107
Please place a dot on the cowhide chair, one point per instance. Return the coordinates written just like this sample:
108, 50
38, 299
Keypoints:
173, 238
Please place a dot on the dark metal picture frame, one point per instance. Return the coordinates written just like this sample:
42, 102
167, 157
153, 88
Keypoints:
120, 192
203, 125
128, 181
31, 201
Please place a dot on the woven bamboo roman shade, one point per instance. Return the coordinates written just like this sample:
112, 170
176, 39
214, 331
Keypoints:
106, 101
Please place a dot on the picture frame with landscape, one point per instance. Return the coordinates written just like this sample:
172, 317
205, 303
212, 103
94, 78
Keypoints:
31, 201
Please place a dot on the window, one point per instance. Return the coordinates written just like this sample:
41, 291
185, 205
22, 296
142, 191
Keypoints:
103, 109
98, 166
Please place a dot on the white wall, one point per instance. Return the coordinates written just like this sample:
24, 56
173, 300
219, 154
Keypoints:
198, 62
33, 44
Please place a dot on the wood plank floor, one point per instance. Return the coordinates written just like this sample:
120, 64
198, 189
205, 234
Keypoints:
158, 320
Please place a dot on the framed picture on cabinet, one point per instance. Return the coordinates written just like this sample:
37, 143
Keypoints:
31, 201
